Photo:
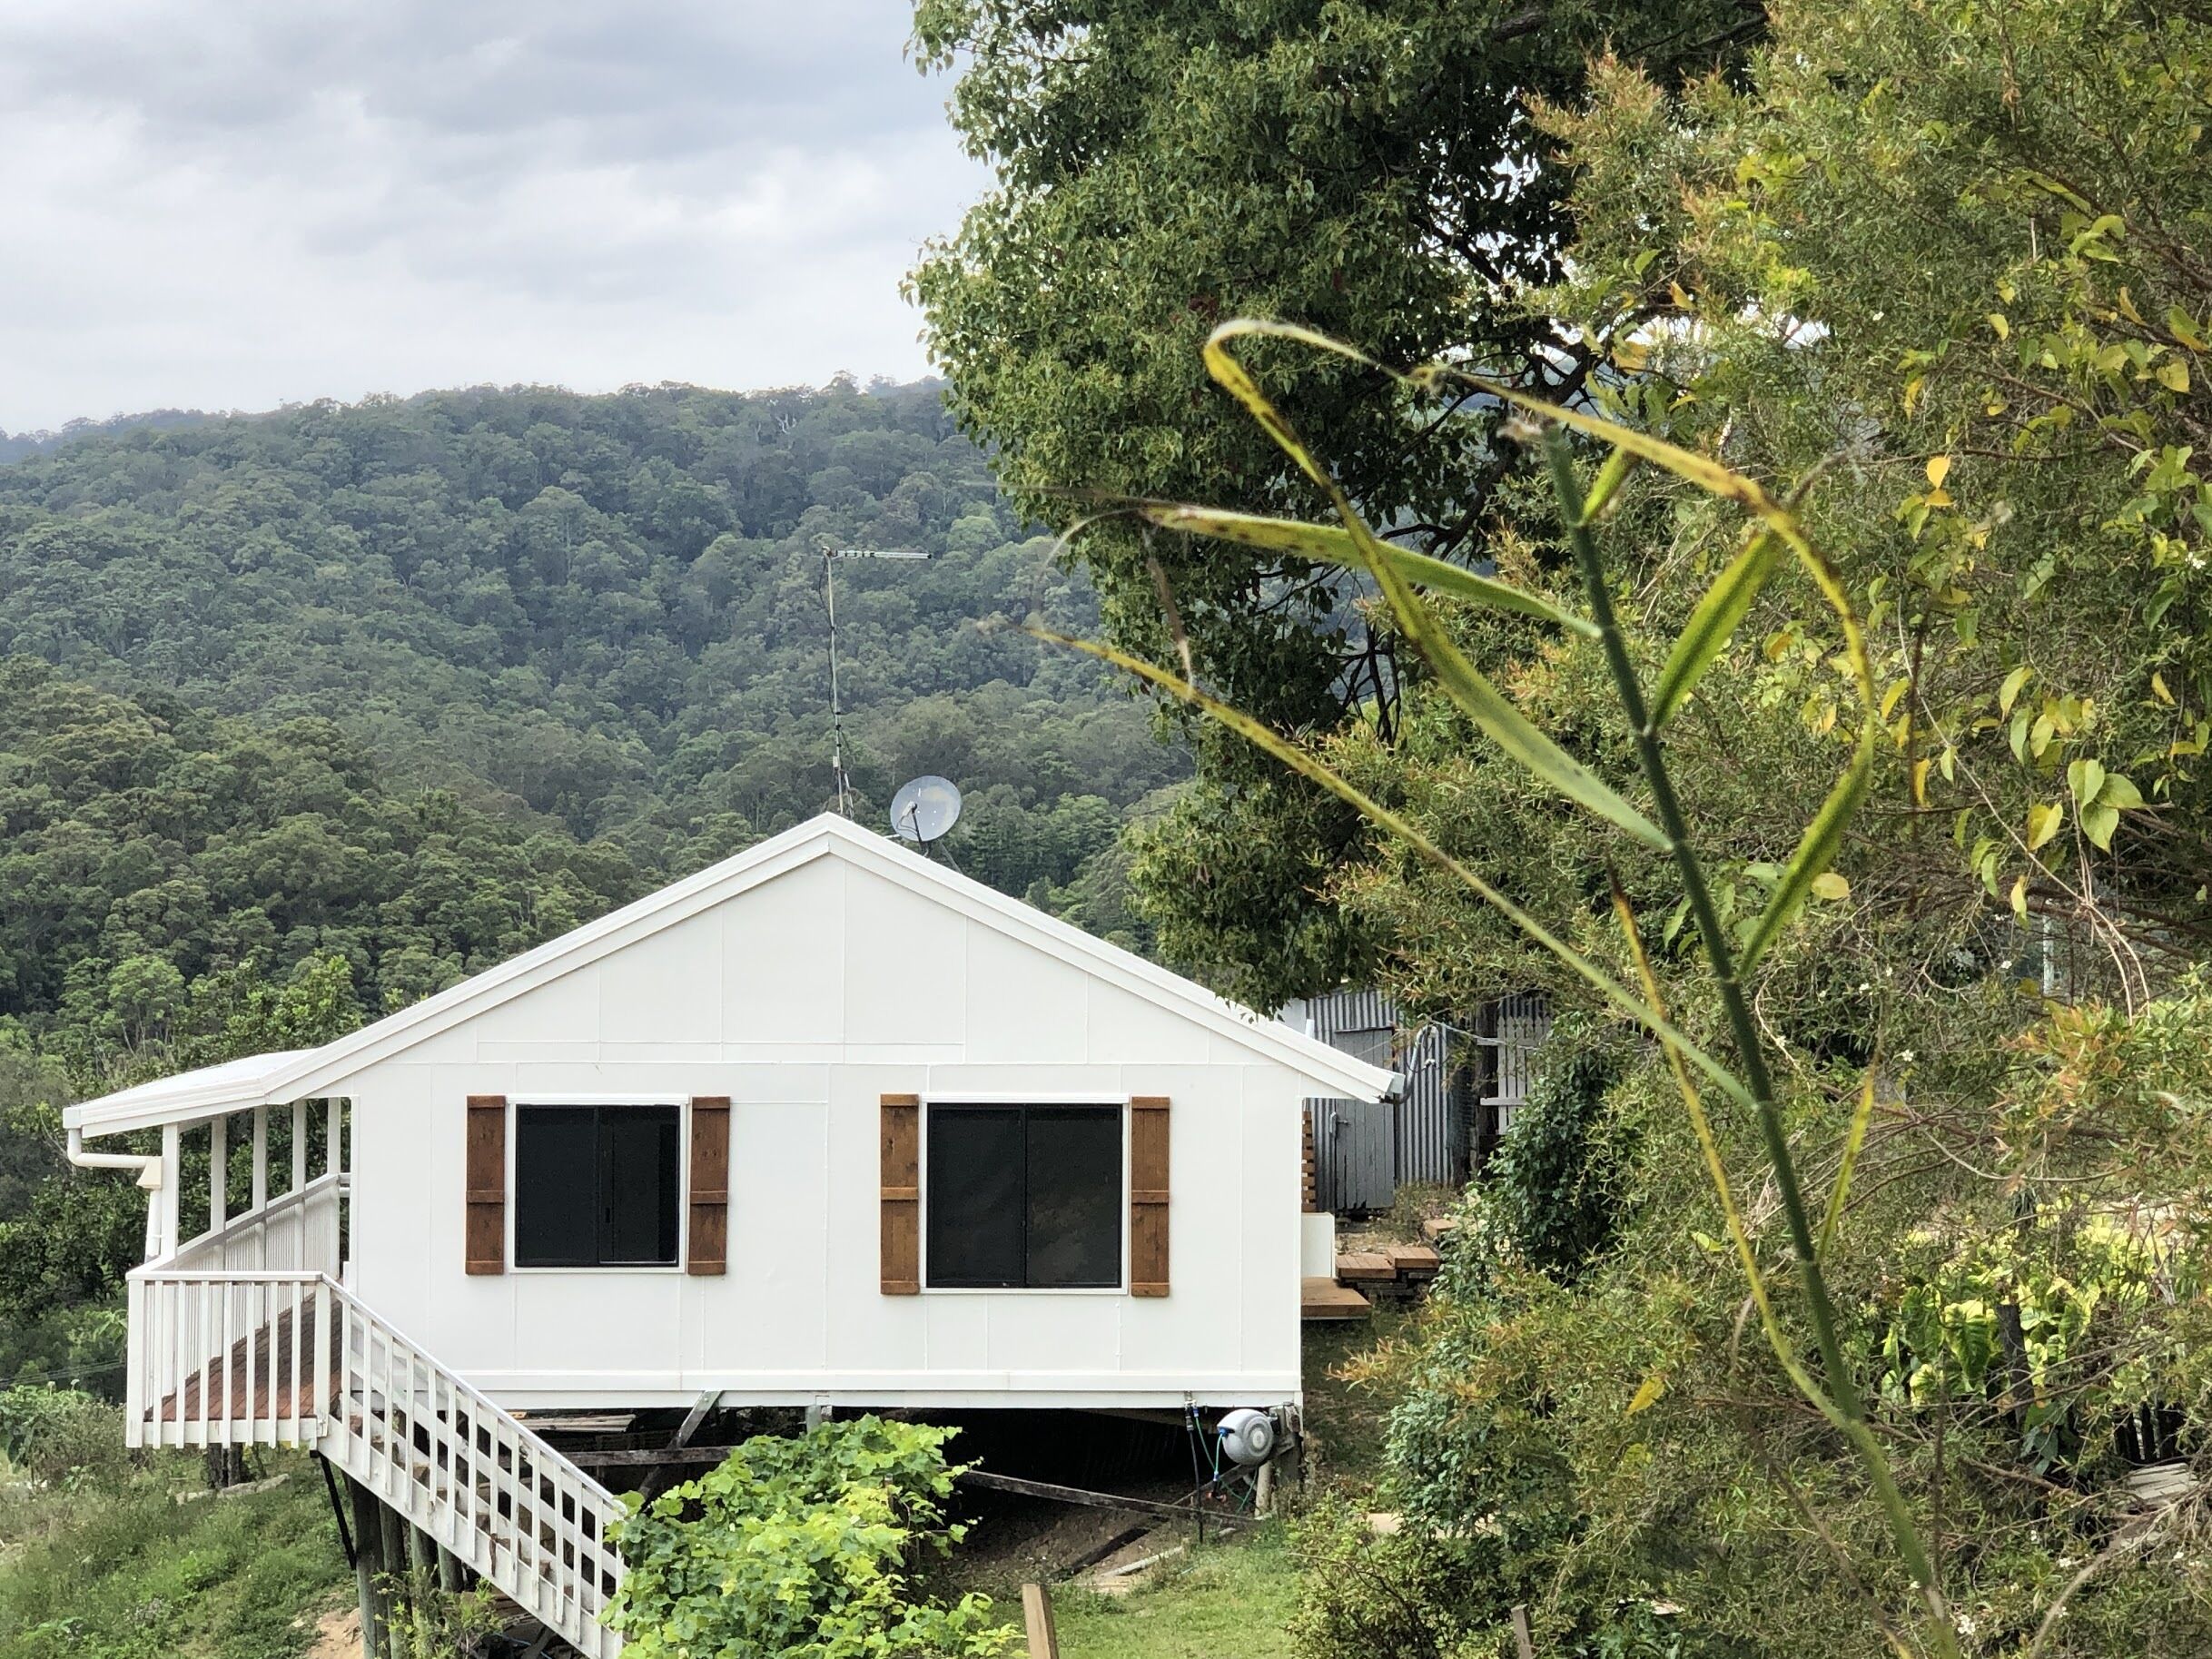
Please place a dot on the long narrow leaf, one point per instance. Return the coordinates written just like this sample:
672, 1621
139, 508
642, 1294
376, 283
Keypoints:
1816, 850
1716, 1172
1852, 1141
1711, 625
1310, 767
1334, 544
1465, 685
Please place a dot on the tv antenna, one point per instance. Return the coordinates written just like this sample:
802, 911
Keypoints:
829, 589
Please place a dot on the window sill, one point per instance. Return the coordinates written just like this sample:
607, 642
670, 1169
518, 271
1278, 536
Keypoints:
1025, 1291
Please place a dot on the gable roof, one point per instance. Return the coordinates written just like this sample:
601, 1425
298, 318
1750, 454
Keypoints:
274, 1078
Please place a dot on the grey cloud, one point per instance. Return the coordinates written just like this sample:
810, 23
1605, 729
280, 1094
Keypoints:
236, 203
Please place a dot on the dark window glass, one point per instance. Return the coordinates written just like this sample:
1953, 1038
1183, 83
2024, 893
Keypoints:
638, 1159
1024, 1196
596, 1186
975, 1222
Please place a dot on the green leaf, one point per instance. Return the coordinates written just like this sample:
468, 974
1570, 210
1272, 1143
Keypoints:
1606, 484
1464, 683
2085, 778
1331, 544
1816, 849
1717, 615
2098, 823
2043, 822
2008, 693
1853, 1140
2120, 793
1652, 1389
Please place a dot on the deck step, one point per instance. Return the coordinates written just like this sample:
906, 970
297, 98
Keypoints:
1354, 1265
1415, 1260
1325, 1298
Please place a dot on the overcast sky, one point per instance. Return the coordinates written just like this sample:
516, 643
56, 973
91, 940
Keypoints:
236, 203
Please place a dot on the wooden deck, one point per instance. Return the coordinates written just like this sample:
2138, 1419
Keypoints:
264, 1391
1325, 1298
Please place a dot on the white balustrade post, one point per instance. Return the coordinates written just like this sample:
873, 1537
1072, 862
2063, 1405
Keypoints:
170, 1196
136, 1349
218, 1172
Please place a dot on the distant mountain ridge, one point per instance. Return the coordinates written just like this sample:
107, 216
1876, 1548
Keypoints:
14, 446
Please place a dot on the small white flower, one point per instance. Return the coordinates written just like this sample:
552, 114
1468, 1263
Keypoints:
1905, 1057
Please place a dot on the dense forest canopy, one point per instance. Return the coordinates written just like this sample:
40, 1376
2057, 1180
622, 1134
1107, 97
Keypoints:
603, 611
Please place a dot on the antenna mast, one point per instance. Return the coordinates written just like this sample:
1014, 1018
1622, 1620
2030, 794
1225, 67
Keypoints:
830, 555
829, 589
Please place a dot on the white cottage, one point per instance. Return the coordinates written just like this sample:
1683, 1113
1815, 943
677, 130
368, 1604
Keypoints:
827, 1124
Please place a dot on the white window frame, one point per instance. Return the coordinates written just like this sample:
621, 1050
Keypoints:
682, 1103
985, 1097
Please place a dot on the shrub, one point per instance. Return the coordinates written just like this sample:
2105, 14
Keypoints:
801, 1547
55, 1432
1551, 1189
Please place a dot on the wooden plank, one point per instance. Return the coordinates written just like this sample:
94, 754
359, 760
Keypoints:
1093, 1500
707, 1238
485, 1239
901, 1199
1037, 1619
1099, 1552
1147, 1195
1415, 1260
1325, 1298
1435, 1227
645, 1456
1364, 1264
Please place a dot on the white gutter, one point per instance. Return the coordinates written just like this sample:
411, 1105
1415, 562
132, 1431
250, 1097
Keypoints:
147, 1164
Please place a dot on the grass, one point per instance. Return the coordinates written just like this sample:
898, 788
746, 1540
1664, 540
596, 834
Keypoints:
112, 1566
1346, 1424
1229, 1601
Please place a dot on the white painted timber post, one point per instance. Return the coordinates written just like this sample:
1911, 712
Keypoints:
299, 1146
335, 1137
218, 1172
261, 1185
170, 1198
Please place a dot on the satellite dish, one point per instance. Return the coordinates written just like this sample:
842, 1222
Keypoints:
924, 809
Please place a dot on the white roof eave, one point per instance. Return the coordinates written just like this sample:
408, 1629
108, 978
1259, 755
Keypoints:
275, 1079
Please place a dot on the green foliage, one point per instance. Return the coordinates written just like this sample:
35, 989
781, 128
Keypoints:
597, 615
1552, 1192
149, 1565
801, 1547
1364, 167
52, 1433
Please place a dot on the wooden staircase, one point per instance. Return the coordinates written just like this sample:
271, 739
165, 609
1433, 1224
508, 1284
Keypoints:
1397, 1272
293, 1358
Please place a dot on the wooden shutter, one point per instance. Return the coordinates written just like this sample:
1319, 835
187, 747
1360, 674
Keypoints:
706, 1252
1147, 1195
484, 1236
901, 1194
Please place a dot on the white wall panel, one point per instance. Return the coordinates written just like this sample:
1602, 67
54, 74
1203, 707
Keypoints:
666, 987
1022, 1005
783, 956
906, 966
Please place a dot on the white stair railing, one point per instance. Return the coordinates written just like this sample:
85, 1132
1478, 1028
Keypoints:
241, 1356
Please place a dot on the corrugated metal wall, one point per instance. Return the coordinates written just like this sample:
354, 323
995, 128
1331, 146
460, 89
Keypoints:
1455, 1099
